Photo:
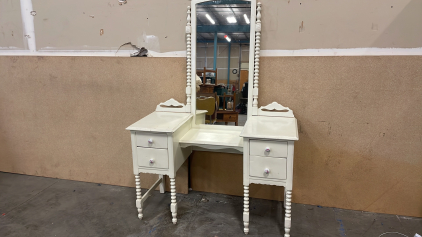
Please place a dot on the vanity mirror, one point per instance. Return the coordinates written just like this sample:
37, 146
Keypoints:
222, 60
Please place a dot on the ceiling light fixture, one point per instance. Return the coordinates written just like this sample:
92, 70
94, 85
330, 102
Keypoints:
210, 19
246, 19
227, 38
231, 19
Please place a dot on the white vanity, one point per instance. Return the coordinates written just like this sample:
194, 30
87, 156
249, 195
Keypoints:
164, 139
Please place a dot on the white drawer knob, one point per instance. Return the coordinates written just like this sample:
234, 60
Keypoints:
267, 171
150, 141
151, 161
267, 149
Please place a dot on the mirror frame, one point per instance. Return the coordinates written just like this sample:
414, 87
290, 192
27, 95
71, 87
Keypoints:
254, 48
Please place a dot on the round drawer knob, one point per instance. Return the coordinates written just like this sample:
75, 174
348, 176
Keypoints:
267, 149
267, 171
151, 161
150, 141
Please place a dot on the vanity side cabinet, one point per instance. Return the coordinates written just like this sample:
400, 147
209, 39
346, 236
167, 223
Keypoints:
156, 150
268, 151
268, 162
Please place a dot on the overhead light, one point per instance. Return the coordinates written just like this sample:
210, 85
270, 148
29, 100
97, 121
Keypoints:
227, 38
210, 19
231, 19
246, 19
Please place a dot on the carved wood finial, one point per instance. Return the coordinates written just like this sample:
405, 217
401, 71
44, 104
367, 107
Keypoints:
171, 105
188, 17
258, 14
277, 110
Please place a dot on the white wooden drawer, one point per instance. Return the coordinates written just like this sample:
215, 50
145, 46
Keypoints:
277, 167
153, 158
268, 148
154, 140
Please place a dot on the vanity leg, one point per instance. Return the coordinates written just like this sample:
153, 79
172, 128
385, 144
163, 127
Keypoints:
162, 184
288, 214
173, 206
246, 209
138, 196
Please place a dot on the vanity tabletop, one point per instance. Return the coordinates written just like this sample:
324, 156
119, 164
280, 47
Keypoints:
215, 136
160, 122
264, 127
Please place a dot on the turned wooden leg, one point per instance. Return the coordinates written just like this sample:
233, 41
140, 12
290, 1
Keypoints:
288, 214
246, 209
138, 196
173, 206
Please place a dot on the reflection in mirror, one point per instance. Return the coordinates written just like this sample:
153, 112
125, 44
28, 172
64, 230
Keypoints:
222, 61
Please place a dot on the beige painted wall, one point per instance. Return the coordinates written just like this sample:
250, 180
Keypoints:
76, 25
156, 24
360, 133
65, 117
360, 125
360, 129
11, 28
341, 24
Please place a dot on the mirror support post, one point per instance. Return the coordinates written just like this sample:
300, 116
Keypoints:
188, 61
256, 64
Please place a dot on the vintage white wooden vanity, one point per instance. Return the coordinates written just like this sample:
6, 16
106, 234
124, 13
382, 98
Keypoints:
164, 139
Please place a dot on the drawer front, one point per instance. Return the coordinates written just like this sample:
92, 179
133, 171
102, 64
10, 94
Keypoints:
277, 167
153, 140
268, 148
207, 89
230, 117
153, 158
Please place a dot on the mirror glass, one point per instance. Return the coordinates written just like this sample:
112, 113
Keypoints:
222, 61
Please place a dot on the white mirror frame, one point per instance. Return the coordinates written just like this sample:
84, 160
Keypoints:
254, 48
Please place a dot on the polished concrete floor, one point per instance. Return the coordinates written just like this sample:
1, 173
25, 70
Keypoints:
37, 206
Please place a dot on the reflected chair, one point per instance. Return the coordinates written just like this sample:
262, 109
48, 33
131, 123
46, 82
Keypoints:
208, 104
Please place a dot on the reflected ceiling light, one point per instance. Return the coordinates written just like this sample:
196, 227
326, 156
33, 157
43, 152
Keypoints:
227, 38
246, 19
210, 19
231, 19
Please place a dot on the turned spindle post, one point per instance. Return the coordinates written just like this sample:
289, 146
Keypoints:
173, 206
288, 214
246, 209
138, 196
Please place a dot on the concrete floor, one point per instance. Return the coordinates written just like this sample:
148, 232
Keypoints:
37, 206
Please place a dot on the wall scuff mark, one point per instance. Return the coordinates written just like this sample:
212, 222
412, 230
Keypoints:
149, 41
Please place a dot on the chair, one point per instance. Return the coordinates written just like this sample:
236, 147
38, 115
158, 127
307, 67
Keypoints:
208, 104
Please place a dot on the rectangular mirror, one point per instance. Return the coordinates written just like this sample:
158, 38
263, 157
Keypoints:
223, 60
